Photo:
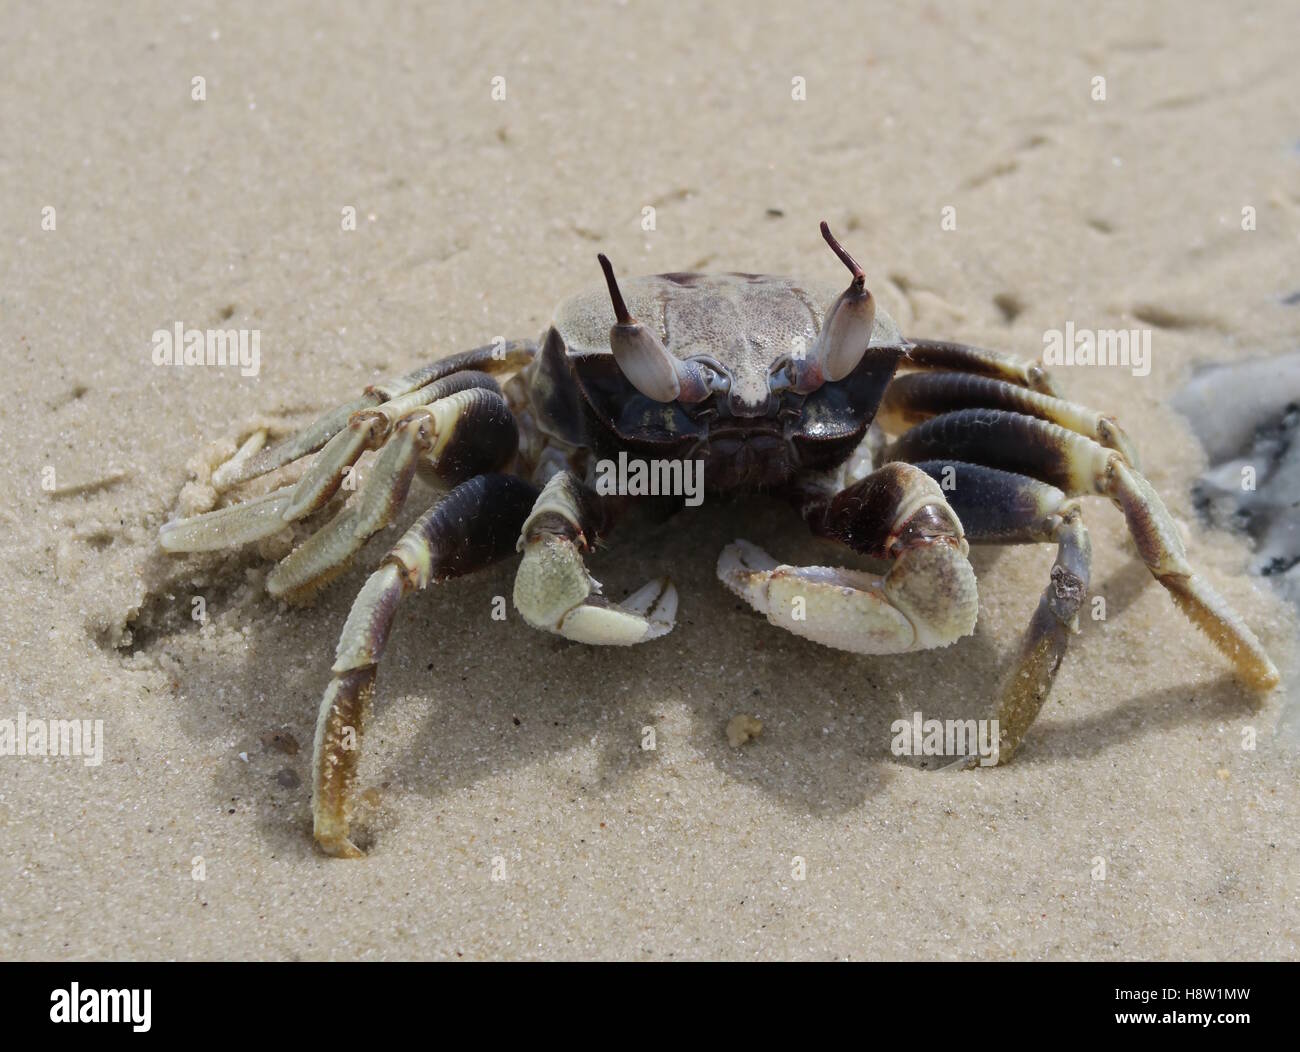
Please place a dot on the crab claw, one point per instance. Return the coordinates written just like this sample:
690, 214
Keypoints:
554, 592
928, 599
646, 614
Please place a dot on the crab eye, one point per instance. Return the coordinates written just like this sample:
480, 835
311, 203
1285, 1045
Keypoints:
845, 332
641, 357
646, 362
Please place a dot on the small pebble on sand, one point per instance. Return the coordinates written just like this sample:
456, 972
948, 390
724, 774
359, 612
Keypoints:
741, 728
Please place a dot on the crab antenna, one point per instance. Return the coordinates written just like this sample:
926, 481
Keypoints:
859, 278
620, 308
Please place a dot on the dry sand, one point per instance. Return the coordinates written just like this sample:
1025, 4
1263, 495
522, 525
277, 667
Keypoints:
495, 742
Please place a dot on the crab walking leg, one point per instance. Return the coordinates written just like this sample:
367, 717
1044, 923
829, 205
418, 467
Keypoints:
238, 524
369, 429
915, 397
962, 358
254, 519
501, 360
473, 526
1079, 466
927, 599
466, 434
241, 468
554, 591
366, 429
1032, 673
999, 507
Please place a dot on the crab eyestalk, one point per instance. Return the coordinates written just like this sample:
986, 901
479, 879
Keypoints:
845, 332
645, 361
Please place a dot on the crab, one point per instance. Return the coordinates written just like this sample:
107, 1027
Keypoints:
905, 451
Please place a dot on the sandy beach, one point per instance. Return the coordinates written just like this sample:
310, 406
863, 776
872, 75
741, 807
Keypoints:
199, 166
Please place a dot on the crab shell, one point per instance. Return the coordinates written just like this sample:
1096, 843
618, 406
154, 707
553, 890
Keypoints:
742, 325
746, 323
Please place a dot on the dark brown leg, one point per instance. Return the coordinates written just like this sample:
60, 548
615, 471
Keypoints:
450, 440
1077, 466
915, 397
962, 358
998, 507
495, 361
476, 524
